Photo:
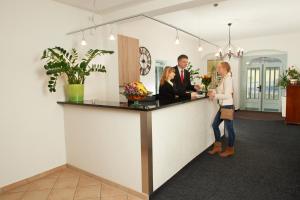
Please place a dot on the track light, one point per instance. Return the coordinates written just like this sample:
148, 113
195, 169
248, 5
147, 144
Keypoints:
83, 41
111, 36
177, 38
200, 48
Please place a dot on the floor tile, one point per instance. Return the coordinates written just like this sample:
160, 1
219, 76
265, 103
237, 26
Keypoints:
87, 181
42, 184
117, 197
36, 195
11, 196
66, 182
69, 173
62, 194
19, 189
55, 174
87, 192
107, 190
131, 197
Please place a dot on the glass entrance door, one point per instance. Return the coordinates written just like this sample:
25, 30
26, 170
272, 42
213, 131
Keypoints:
259, 84
253, 87
271, 90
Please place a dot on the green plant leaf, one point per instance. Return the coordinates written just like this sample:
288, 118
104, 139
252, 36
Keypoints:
60, 61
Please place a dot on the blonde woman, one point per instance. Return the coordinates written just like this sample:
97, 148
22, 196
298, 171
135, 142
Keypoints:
167, 90
224, 95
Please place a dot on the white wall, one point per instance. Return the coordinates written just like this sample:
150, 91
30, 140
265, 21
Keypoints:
103, 86
31, 123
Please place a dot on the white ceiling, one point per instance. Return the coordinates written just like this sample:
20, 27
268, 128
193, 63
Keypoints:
250, 18
102, 6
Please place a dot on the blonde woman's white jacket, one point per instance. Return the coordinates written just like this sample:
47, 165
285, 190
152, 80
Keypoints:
224, 91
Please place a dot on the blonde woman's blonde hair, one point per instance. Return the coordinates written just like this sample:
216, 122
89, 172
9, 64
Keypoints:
165, 74
226, 66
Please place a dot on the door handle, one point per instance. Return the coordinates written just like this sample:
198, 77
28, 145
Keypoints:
259, 87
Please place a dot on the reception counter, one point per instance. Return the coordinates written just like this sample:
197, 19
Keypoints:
137, 147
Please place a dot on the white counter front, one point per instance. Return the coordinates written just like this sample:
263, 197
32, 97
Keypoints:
139, 150
179, 134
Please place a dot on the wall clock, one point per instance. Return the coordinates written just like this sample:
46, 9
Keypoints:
145, 61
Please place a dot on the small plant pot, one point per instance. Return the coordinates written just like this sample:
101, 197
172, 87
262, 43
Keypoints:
294, 81
74, 92
283, 106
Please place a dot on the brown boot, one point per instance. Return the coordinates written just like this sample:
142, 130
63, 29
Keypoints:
229, 151
216, 149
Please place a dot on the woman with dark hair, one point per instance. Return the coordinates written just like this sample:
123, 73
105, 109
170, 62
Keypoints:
224, 95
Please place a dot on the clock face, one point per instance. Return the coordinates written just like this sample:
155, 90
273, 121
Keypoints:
145, 61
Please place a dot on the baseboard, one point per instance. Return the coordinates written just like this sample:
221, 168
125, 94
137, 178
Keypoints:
111, 183
31, 179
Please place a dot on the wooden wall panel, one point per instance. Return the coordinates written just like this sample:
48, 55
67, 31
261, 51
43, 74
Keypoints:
128, 53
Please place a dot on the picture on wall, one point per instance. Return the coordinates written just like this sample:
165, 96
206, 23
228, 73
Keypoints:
159, 68
212, 71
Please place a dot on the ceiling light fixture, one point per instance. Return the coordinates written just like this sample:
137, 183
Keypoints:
200, 48
177, 38
230, 50
92, 18
83, 41
147, 17
111, 36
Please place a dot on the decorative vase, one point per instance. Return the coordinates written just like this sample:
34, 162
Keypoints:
74, 92
205, 90
294, 81
283, 106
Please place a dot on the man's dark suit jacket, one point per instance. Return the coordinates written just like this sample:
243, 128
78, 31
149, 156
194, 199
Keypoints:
186, 85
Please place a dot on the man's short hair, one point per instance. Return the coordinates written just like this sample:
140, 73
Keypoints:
182, 57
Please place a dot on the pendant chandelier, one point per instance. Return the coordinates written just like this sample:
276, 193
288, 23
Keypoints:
230, 50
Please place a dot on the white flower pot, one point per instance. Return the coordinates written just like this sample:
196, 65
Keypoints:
294, 81
283, 106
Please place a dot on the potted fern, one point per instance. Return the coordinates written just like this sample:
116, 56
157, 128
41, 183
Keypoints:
283, 83
61, 62
193, 72
289, 76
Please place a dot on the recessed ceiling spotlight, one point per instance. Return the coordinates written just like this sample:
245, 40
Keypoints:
216, 4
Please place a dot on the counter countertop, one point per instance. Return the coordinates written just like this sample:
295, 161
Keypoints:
145, 106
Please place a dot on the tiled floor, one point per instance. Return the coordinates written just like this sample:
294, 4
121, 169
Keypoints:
67, 184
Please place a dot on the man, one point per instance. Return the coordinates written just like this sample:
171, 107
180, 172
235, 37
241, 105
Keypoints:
182, 80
